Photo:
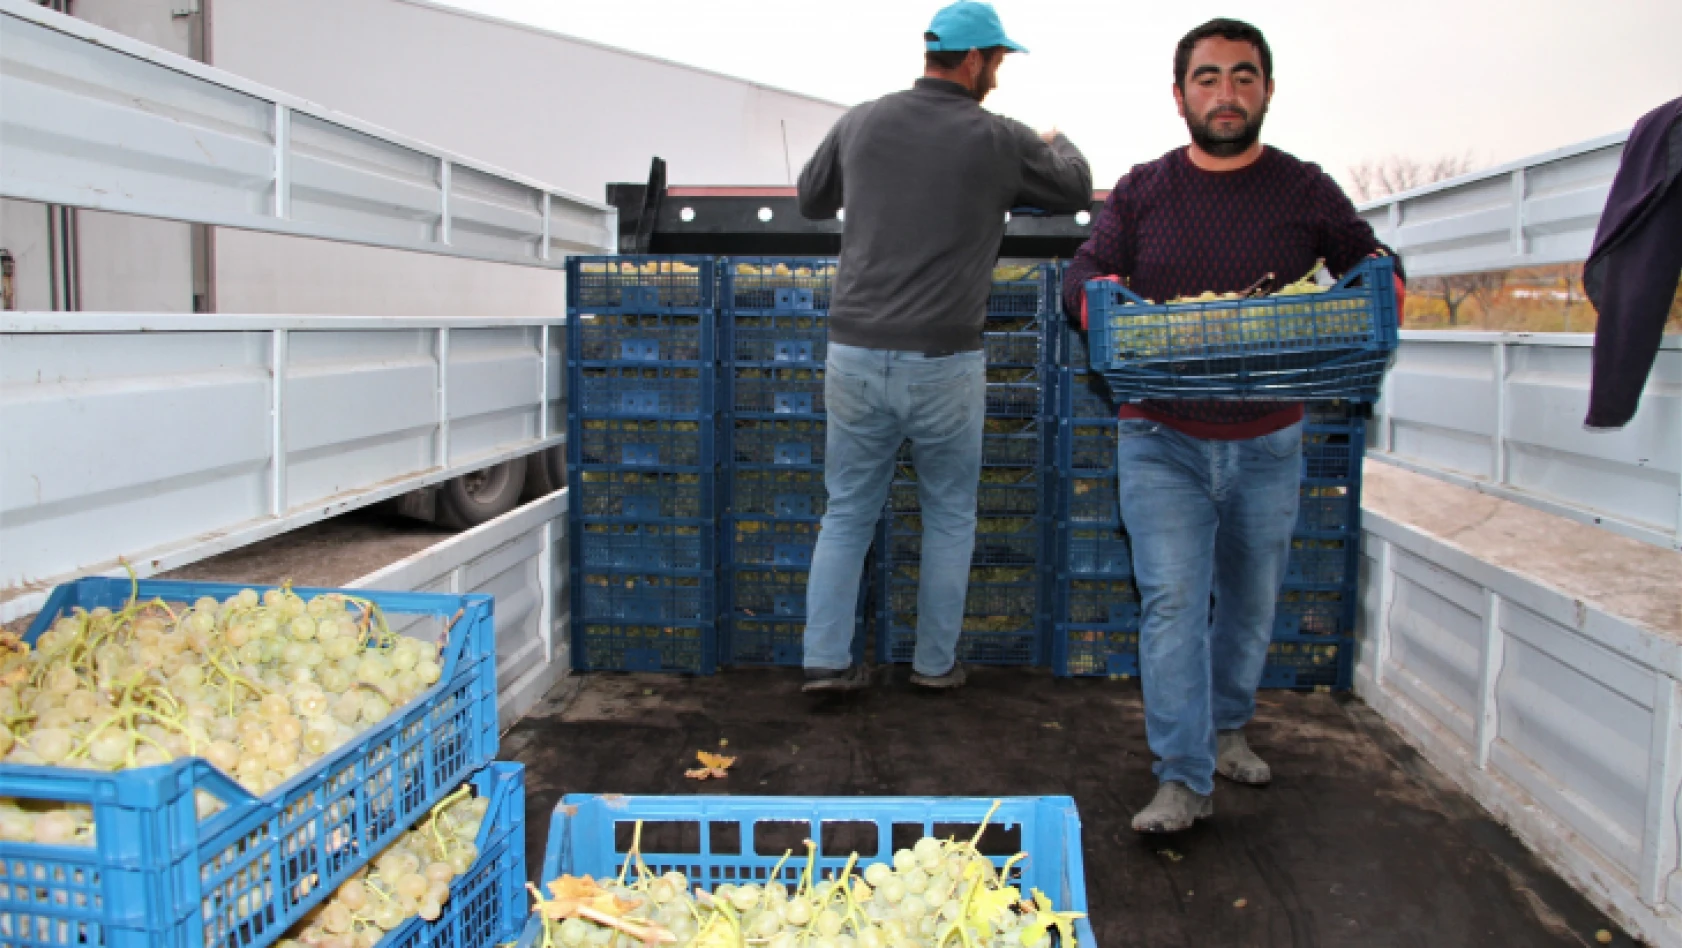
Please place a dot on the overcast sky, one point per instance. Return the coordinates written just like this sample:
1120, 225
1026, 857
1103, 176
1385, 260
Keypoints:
1495, 79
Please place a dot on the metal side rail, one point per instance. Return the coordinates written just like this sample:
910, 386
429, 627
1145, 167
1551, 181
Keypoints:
90, 118
164, 439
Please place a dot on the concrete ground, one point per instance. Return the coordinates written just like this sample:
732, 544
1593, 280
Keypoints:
1358, 842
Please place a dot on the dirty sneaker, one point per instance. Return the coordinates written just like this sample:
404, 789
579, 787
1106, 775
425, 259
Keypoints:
1174, 808
1235, 761
954, 678
854, 677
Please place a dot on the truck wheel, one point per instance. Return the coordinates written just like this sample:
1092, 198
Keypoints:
483, 496
546, 472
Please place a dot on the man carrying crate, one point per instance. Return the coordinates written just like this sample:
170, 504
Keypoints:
1208, 490
926, 177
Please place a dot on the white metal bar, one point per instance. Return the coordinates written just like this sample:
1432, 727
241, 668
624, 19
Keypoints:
1521, 246
1662, 841
543, 381
442, 445
55, 323
1380, 633
89, 125
280, 345
1489, 675
118, 42
1498, 470
282, 162
546, 589
444, 203
1542, 158
543, 245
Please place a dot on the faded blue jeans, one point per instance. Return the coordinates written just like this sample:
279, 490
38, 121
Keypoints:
877, 399
1204, 516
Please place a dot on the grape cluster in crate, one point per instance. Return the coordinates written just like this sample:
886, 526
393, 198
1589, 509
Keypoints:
199, 764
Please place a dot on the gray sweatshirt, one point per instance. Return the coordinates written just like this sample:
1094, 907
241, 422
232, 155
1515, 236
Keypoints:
926, 176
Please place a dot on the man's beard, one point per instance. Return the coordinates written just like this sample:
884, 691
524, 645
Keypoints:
1227, 145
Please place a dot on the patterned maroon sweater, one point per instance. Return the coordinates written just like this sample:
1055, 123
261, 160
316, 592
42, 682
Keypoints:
1172, 229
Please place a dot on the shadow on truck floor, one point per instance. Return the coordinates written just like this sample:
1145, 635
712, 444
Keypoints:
1358, 841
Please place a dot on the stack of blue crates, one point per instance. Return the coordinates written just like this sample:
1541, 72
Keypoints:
1096, 613
775, 314
643, 449
1006, 613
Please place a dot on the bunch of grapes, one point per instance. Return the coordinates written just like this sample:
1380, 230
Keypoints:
935, 893
410, 878
260, 686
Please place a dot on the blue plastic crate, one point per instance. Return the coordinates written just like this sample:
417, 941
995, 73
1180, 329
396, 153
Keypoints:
777, 284
1322, 561
1019, 291
1014, 342
796, 442
1087, 448
1014, 392
636, 493
645, 596
159, 876
999, 541
589, 835
673, 647
1091, 550
1309, 662
641, 284
767, 618
778, 491
756, 541
776, 338
1098, 650
1077, 400
777, 390
1011, 492
1332, 345
1089, 500
994, 593
1081, 600
982, 643
661, 545
1337, 412
1324, 508
1333, 452
767, 592
642, 337
662, 443
487, 904
643, 390
1316, 611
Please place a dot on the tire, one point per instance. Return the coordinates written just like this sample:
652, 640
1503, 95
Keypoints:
545, 473
482, 496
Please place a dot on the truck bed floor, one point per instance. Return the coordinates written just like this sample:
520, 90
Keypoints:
1358, 841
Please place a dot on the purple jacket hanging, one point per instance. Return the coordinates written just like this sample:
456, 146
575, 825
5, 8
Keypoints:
1632, 273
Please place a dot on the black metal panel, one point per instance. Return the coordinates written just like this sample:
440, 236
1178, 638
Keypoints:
730, 224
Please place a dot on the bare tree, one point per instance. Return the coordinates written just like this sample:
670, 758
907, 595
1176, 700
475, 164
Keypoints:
1382, 177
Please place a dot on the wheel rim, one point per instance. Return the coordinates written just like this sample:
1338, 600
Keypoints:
486, 485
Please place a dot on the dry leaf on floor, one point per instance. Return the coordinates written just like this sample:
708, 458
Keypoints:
713, 767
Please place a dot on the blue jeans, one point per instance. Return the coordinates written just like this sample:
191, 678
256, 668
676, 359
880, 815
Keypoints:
876, 399
1204, 517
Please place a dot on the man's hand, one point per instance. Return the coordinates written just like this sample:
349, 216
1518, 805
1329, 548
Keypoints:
1050, 135
1112, 278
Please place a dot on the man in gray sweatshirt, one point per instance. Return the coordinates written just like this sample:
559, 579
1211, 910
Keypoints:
926, 177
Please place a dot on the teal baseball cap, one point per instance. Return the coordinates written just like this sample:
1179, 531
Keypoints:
967, 25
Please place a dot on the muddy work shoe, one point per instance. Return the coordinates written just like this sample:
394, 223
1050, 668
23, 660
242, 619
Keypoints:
954, 678
854, 677
1235, 761
1174, 809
